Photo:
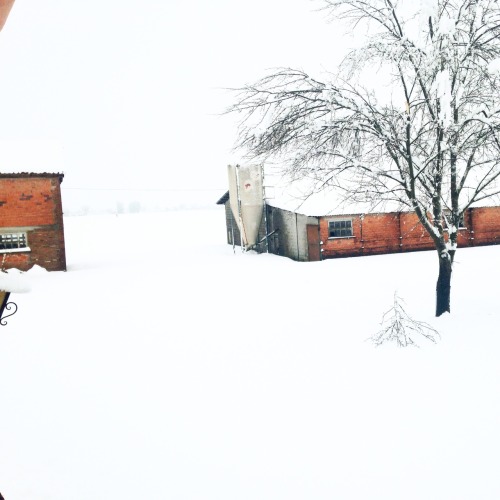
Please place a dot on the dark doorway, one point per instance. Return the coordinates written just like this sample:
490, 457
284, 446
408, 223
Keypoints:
313, 245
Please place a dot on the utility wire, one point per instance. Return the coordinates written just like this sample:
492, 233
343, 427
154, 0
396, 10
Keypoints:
141, 189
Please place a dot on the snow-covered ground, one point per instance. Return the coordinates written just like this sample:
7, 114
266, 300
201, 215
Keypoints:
163, 366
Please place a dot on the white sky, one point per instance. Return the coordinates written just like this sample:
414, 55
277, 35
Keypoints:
125, 95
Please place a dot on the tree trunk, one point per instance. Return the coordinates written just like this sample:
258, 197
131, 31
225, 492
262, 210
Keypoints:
443, 286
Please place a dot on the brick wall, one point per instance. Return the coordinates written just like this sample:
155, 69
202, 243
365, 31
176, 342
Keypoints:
372, 233
402, 232
413, 235
341, 247
31, 203
485, 225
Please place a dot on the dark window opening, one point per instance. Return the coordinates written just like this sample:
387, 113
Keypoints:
447, 220
12, 241
340, 228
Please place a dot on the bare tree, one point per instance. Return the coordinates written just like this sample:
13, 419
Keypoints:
400, 328
432, 146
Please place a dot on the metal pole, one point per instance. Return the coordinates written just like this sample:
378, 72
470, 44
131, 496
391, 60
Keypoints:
265, 208
242, 230
297, 236
232, 229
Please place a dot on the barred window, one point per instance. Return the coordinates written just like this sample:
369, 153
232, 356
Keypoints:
447, 218
340, 228
10, 241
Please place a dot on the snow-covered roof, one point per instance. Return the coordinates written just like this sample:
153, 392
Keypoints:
328, 203
7, 175
297, 197
319, 204
302, 197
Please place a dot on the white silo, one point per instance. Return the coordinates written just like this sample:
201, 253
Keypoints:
246, 198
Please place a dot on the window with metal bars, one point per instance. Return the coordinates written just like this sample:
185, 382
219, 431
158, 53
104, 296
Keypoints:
340, 228
10, 241
447, 220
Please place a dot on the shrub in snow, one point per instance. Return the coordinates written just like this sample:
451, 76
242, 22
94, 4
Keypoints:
399, 327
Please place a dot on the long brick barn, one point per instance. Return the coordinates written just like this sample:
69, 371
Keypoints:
311, 238
31, 221
344, 232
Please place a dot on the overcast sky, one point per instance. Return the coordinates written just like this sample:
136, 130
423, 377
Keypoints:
126, 95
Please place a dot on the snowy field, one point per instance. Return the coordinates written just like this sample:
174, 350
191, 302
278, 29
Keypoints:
162, 366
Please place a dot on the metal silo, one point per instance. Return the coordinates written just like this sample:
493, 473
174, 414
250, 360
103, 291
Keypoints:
246, 199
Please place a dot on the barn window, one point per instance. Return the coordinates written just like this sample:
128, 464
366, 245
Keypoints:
13, 242
340, 228
447, 217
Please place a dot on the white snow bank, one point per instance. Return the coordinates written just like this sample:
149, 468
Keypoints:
194, 373
14, 281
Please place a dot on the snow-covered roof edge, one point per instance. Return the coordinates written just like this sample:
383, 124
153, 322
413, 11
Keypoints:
17, 175
303, 208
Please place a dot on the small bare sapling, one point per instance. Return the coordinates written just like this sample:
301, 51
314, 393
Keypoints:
399, 327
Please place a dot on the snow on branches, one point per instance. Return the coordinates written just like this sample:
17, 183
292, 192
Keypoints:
433, 146
400, 328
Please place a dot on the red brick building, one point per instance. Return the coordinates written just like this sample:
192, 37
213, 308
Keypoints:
310, 238
31, 221
377, 233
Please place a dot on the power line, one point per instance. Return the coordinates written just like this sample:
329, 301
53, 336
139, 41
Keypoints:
142, 189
